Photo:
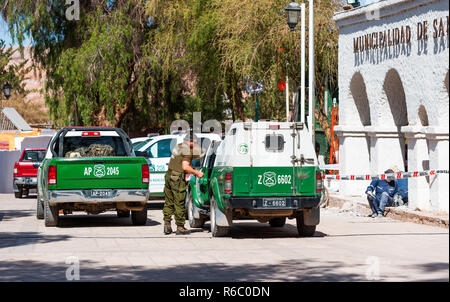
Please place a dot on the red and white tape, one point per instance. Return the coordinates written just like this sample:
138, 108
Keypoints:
389, 176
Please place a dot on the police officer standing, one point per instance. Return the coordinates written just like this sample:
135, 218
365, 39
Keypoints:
175, 183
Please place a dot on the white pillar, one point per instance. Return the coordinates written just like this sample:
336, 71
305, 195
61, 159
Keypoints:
418, 160
387, 147
354, 158
439, 160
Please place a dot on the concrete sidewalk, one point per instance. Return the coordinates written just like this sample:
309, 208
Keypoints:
360, 206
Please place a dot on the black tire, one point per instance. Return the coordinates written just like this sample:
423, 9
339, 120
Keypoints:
217, 231
20, 193
277, 222
39, 209
304, 230
51, 215
26, 192
123, 213
139, 217
193, 222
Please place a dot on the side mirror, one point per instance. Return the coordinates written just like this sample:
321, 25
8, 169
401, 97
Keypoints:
145, 154
196, 163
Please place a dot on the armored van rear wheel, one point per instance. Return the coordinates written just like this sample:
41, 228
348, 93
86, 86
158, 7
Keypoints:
277, 222
139, 217
51, 215
193, 222
217, 231
304, 230
39, 209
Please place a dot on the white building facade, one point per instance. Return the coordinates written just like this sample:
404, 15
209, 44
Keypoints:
394, 95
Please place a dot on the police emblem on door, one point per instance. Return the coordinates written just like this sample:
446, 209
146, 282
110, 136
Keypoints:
99, 171
270, 179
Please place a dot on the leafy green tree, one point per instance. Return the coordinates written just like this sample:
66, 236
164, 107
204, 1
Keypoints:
140, 64
14, 74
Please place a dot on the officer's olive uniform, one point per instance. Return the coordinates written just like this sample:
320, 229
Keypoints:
175, 183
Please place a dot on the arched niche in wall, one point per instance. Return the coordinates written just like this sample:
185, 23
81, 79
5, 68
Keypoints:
395, 114
361, 104
446, 82
423, 118
395, 94
359, 94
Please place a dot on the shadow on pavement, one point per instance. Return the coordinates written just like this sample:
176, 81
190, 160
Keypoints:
85, 221
7, 215
286, 271
13, 239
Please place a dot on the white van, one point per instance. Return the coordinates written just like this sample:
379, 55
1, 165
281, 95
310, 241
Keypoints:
160, 150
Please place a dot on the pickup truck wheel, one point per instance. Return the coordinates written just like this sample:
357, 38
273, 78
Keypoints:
193, 222
139, 217
277, 222
51, 215
305, 230
20, 193
123, 213
217, 231
39, 209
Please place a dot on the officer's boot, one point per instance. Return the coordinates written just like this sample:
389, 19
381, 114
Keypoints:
167, 228
182, 231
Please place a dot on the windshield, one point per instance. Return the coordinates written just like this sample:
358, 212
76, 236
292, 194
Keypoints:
34, 155
137, 145
78, 146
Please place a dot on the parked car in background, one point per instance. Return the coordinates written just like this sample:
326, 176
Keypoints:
139, 143
160, 150
25, 171
92, 169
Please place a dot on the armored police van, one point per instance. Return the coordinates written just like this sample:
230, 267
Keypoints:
266, 171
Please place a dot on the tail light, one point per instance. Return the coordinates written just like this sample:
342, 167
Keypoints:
90, 133
145, 174
228, 183
51, 178
16, 169
319, 182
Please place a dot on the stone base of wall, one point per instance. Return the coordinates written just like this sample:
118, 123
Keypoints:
358, 205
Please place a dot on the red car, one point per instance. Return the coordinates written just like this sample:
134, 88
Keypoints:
25, 171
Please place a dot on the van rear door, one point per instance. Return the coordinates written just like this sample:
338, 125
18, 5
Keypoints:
270, 171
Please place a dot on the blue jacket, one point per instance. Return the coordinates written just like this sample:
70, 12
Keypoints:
380, 186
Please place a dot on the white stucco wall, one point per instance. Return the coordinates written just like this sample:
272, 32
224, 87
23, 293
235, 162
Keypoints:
395, 92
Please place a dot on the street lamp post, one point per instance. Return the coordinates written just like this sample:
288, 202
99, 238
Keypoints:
7, 92
293, 11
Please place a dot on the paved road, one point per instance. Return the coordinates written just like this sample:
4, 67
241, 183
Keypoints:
345, 248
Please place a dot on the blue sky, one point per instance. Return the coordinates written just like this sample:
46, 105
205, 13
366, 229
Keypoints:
4, 33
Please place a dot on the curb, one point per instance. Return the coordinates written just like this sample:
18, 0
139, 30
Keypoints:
393, 213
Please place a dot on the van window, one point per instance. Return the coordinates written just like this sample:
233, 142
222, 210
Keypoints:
160, 149
204, 143
34, 155
275, 142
